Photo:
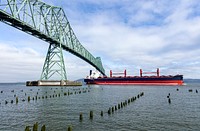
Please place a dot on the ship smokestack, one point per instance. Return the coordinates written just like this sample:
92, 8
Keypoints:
140, 72
124, 73
158, 72
110, 73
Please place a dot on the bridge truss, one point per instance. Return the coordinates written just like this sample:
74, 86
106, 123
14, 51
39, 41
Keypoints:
48, 23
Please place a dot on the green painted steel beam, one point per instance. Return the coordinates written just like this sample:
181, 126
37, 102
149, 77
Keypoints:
48, 23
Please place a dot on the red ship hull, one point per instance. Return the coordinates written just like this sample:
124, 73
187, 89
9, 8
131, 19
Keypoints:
166, 83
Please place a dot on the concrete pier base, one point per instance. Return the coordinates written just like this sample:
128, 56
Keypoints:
53, 83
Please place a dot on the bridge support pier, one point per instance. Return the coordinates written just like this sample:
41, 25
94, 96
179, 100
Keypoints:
54, 67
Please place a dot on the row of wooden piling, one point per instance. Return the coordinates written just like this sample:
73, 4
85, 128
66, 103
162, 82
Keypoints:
91, 114
45, 97
190, 90
168, 96
35, 127
43, 128
124, 103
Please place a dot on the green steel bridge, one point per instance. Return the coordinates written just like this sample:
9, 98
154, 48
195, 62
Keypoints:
48, 23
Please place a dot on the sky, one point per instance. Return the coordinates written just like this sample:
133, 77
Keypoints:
126, 34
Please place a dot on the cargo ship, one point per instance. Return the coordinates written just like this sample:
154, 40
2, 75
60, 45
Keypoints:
123, 79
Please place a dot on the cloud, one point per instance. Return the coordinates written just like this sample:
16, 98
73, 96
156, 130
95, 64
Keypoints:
19, 64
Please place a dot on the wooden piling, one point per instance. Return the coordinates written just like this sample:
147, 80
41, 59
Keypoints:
16, 100
115, 107
118, 106
29, 98
91, 114
109, 110
35, 127
27, 128
101, 113
69, 128
169, 100
112, 109
81, 117
43, 128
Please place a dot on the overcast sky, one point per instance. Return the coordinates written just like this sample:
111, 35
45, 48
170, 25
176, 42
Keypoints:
126, 34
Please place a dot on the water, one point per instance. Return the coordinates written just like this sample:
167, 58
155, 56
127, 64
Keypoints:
150, 112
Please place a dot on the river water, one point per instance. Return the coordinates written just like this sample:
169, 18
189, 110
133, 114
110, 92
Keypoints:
149, 112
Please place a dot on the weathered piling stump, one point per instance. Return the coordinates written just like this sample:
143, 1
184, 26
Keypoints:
121, 105
129, 101
17, 100
109, 111
35, 127
11, 101
177, 89
101, 113
124, 104
118, 106
43, 128
1, 91
190, 90
29, 98
115, 107
35, 97
169, 101
138, 96
69, 128
196, 91
81, 117
27, 128
91, 114
112, 109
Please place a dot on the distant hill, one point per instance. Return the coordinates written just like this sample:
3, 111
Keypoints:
191, 80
